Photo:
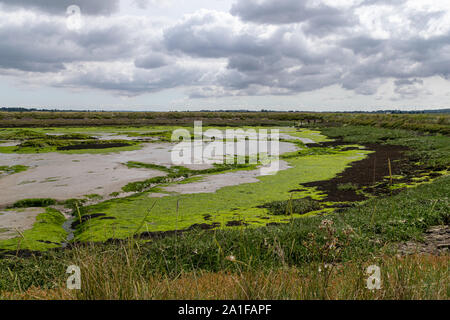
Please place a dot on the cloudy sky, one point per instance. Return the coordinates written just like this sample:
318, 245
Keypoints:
318, 55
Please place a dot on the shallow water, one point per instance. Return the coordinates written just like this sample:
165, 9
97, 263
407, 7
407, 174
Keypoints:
63, 176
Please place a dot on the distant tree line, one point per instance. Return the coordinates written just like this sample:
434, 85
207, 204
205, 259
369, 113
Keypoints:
4, 109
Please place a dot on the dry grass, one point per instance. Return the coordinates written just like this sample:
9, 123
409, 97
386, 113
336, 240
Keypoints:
412, 277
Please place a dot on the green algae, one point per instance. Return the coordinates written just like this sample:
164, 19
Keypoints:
314, 135
425, 178
228, 204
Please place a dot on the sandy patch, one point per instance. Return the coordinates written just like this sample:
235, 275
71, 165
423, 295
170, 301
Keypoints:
21, 220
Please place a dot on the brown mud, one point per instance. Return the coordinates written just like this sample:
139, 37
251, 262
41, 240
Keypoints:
94, 146
162, 234
368, 173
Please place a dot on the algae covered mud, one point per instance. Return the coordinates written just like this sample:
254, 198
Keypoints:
92, 184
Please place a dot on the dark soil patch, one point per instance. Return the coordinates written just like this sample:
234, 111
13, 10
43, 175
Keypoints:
108, 218
49, 242
350, 148
85, 218
90, 146
163, 234
365, 173
315, 145
299, 190
436, 242
236, 223
19, 253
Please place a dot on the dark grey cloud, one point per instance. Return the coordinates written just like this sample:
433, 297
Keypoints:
206, 36
152, 61
59, 7
46, 46
400, 58
322, 18
245, 63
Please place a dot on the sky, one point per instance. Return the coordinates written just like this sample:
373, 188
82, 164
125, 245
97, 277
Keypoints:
168, 55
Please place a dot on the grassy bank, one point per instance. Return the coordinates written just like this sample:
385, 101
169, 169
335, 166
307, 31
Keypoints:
413, 277
354, 236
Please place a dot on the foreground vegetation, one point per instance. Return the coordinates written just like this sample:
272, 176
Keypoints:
347, 241
404, 278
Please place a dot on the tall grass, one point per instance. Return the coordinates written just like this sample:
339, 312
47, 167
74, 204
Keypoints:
110, 277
